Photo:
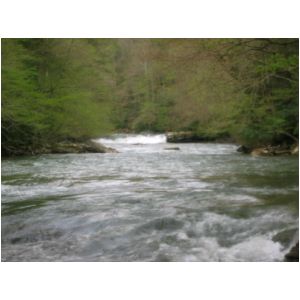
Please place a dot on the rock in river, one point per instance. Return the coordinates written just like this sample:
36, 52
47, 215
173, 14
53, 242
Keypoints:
293, 255
244, 149
83, 147
172, 148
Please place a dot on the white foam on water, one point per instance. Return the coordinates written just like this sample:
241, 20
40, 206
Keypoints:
182, 236
134, 139
248, 242
237, 198
257, 248
253, 249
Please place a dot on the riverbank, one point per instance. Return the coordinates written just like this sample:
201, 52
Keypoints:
192, 137
64, 147
277, 150
93, 146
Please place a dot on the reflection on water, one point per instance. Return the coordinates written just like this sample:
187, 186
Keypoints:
205, 202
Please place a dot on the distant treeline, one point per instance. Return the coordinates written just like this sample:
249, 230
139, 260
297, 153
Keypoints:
58, 89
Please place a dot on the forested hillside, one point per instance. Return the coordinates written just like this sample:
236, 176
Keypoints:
75, 89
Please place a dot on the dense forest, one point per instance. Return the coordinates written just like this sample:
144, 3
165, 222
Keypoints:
75, 89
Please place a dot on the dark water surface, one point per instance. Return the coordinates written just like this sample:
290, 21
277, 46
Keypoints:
205, 202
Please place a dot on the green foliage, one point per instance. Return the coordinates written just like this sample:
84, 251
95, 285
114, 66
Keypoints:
56, 89
269, 111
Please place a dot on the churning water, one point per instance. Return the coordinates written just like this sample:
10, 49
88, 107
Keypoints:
134, 139
205, 202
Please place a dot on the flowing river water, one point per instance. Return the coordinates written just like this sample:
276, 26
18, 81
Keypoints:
205, 202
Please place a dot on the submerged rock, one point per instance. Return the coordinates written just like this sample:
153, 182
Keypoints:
172, 148
293, 255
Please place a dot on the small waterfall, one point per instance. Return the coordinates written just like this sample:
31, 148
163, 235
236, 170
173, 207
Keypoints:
134, 139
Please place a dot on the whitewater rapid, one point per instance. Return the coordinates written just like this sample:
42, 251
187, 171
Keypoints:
157, 144
204, 202
134, 139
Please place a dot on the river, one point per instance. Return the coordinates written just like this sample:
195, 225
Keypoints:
205, 202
